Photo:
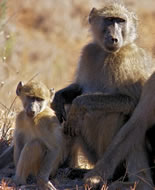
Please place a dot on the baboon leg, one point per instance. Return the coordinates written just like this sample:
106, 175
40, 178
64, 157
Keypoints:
49, 166
123, 144
29, 161
50, 163
73, 155
138, 168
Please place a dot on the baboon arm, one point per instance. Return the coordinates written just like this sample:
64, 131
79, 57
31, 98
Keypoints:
95, 102
50, 164
70, 93
6, 157
106, 103
65, 96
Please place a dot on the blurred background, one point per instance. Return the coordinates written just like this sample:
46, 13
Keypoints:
42, 39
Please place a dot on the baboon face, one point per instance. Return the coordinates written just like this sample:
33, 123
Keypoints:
113, 27
33, 105
112, 33
35, 96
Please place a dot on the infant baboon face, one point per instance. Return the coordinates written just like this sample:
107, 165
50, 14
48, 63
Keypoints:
33, 105
35, 96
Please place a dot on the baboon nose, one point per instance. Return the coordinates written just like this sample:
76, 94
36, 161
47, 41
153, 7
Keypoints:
114, 40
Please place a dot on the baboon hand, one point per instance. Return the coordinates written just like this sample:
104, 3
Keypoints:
71, 126
75, 119
60, 113
93, 180
45, 185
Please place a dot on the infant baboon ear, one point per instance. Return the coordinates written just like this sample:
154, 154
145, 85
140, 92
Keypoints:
19, 87
91, 14
52, 94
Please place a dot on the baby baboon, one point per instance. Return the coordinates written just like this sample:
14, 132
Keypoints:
39, 144
111, 73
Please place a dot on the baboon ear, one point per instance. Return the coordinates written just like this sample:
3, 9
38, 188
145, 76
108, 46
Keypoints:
19, 87
91, 14
52, 93
135, 18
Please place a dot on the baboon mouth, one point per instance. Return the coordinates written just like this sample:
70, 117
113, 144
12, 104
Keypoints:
30, 114
112, 48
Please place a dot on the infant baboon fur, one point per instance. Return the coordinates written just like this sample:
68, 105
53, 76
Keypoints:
108, 83
39, 144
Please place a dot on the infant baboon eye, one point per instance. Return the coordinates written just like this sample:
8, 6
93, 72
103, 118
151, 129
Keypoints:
39, 99
110, 19
31, 98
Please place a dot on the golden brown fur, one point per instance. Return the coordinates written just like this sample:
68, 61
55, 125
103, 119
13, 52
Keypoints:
110, 76
132, 137
39, 144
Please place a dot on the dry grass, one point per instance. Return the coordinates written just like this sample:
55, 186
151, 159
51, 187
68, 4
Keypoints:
4, 186
7, 122
44, 38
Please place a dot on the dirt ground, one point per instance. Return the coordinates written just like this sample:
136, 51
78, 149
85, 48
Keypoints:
43, 39
66, 178
60, 181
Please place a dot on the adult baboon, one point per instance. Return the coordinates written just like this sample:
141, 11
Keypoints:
108, 83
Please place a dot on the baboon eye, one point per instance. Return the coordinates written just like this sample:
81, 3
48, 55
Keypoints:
109, 20
31, 97
38, 99
119, 20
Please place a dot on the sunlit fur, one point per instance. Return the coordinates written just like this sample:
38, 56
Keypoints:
117, 11
39, 144
103, 75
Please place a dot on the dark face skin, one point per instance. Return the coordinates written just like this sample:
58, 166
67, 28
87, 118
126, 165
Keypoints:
33, 105
113, 33
110, 33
